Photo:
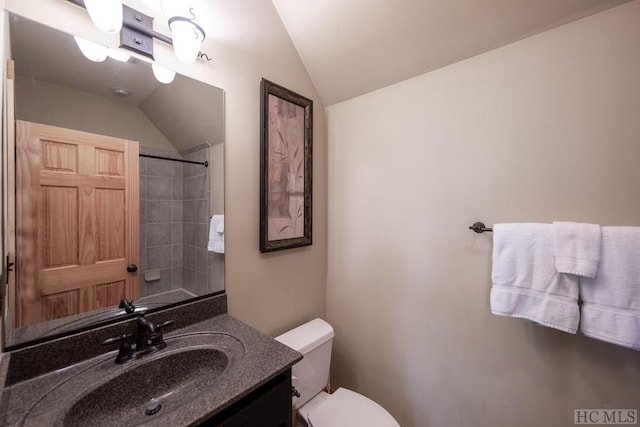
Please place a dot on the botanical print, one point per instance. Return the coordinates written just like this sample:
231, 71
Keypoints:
285, 168
285, 165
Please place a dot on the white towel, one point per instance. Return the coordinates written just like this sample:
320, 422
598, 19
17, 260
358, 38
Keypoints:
577, 248
525, 281
218, 223
216, 234
611, 301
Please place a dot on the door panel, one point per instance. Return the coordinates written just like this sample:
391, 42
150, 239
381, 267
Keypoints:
77, 222
110, 224
60, 305
110, 294
58, 233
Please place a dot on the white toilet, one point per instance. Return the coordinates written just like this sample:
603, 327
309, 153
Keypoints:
343, 408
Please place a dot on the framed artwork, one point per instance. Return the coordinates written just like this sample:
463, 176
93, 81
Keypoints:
285, 168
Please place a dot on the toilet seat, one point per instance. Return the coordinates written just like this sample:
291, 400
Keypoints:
345, 408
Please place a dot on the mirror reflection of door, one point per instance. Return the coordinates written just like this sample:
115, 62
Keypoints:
78, 222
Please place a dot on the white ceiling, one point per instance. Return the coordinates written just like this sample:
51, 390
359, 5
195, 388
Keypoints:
352, 47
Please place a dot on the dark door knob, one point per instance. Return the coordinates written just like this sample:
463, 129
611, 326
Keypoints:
132, 268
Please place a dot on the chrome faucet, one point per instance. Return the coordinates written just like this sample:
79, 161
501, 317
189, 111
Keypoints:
148, 340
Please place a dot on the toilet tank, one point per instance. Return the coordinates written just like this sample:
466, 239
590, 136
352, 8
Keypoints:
311, 374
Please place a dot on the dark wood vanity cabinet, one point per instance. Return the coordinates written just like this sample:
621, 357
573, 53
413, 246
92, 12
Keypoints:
268, 406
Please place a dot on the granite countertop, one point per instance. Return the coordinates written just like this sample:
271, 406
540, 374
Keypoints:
262, 359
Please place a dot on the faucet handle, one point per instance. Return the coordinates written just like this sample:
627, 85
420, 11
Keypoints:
119, 338
156, 338
124, 351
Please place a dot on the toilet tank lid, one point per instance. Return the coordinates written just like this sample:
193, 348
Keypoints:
308, 336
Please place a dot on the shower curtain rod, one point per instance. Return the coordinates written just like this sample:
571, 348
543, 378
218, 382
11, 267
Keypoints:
205, 163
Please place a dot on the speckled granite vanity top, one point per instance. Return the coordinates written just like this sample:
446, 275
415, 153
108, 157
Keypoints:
207, 366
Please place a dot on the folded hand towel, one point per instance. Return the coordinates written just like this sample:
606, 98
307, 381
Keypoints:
218, 223
525, 281
577, 248
216, 234
611, 300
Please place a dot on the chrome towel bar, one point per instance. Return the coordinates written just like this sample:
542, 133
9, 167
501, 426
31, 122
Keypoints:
479, 227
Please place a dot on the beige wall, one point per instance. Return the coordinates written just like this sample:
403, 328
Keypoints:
545, 129
41, 102
270, 292
273, 292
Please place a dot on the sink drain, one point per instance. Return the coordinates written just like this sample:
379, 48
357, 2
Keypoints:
152, 407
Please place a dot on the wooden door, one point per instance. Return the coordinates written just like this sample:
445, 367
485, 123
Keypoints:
77, 221
10, 190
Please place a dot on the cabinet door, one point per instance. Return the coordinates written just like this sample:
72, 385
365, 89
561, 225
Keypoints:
77, 221
269, 406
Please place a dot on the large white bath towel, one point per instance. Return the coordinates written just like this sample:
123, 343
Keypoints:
525, 281
611, 300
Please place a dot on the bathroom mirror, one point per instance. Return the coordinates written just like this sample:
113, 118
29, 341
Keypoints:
57, 86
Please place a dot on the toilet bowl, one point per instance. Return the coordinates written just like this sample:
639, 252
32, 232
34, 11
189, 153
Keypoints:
317, 408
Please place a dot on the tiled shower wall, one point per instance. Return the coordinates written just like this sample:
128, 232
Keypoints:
161, 221
175, 203
197, 202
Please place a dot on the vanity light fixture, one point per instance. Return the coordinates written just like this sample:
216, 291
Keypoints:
187, 34
97, 53
187, 37
136, 28
138, 34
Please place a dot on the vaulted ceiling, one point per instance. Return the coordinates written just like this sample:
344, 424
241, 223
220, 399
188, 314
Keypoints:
352, 47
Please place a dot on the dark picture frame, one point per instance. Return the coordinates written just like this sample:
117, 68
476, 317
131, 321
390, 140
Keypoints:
286, 139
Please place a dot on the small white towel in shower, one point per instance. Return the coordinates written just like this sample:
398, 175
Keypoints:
525, 281
577, 248
216, 234
611, 300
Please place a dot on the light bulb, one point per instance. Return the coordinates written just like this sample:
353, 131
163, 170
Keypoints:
163, 75
187, 38
118, 55
92, 51
105, 14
